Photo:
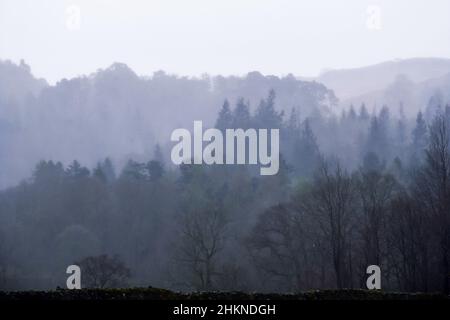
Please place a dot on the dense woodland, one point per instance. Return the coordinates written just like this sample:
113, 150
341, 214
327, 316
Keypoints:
116, 113
365, 187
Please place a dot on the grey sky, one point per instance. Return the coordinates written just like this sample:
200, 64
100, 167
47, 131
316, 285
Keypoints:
226, 37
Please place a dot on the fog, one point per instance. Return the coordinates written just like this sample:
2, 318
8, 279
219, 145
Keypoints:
221, 37
116, 113
87, 109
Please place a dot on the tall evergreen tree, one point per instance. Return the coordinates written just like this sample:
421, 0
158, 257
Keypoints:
241, 115
419, 134
75, 170
225, 119
105, 171
363, 113
307, 154
266, 116
352, 113
377, 140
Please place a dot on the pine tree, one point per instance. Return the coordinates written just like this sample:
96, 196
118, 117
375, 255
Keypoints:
241, 115
225, 119
75, 170
135, 170
307, 152
293, 123
155, 170
351, 113
363, 113
384, 119
419, 134
266, 116
105, 171
377, 141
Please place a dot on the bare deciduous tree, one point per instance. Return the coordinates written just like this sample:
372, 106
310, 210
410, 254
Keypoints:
202, 240
432, 189
331, 203
376, 190
103, 271
278, 245
408, 243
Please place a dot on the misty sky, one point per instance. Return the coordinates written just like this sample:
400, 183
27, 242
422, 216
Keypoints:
218, 37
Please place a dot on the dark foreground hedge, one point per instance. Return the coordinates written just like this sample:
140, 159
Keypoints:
161, 294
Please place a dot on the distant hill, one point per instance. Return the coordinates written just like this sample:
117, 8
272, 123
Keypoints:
348, 83
404, 92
